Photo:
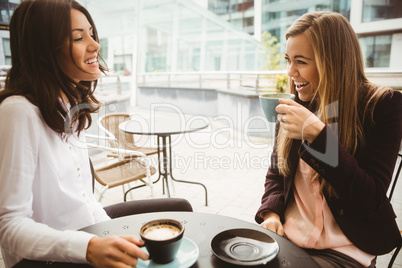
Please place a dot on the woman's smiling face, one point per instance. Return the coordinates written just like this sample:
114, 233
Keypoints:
301, 66
83, 64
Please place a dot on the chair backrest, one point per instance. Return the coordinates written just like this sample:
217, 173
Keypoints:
109, 123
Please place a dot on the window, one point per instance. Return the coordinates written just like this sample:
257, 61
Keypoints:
381, 10
104, 48
122, 64
219, 7
296, 12
7, 51
376, 50
6, 10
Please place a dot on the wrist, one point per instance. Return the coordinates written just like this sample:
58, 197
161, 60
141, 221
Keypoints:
269, 214
313, 130
94, 240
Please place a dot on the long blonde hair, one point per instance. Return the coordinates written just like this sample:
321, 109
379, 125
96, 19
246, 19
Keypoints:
341, 81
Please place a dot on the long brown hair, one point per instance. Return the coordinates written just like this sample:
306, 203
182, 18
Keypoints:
341, 82
38, 30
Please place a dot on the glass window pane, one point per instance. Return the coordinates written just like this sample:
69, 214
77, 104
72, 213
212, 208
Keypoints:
374, 10
376, 50
277, 15
6, 47
6, 10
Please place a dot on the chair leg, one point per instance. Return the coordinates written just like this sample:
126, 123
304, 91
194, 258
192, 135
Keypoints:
124, 189
391, 262
131, 193
395, 180
102, 192
172, 184
151, 186
150, 183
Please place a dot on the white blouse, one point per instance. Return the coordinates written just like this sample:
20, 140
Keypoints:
45, 188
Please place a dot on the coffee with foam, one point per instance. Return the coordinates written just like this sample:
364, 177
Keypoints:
162, 239
161, 232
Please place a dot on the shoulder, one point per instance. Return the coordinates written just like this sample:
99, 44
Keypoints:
387, 113
392, 96
15, 100
389, 103
15, 107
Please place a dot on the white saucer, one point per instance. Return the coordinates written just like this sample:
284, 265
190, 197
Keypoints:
187, 256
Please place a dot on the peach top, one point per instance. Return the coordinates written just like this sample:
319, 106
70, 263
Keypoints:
309, 222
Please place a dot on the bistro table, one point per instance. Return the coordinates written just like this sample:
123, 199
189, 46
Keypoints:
164, 127
201, 228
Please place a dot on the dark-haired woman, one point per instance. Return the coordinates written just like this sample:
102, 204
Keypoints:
45, 178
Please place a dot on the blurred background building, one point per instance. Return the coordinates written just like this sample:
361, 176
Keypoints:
219, 35
210, 56
378, 23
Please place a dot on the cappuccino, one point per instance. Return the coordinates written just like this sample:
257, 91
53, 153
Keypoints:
162, 239
161, 232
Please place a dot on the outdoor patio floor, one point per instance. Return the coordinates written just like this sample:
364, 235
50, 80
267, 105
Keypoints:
232, 166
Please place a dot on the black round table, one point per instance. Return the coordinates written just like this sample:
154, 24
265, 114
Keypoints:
164, 127
200, 228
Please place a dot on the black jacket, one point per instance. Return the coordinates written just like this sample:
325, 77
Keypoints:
363, 211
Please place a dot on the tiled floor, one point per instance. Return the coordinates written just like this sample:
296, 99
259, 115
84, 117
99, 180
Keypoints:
231, 165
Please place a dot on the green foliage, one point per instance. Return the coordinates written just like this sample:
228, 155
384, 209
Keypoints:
272, 54
281, 81
274, 60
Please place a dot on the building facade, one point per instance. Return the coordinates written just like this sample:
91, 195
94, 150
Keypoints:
6, 11
378, 23
219, 35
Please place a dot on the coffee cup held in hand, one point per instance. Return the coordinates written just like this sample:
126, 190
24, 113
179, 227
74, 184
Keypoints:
269, 101
162, 239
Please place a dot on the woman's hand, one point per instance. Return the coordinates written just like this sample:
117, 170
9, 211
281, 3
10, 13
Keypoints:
272, 222
297, 121
115, 251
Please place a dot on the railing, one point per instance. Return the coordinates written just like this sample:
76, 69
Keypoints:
104, 82
385, 77
248, 81
253, 81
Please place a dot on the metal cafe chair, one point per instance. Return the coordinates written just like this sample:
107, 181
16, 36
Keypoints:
393, 184
121, 171
395, 180
109, 124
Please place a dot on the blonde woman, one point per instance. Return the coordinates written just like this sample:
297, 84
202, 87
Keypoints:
335, 149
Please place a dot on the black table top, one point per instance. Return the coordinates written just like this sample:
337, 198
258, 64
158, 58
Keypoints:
200, 228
